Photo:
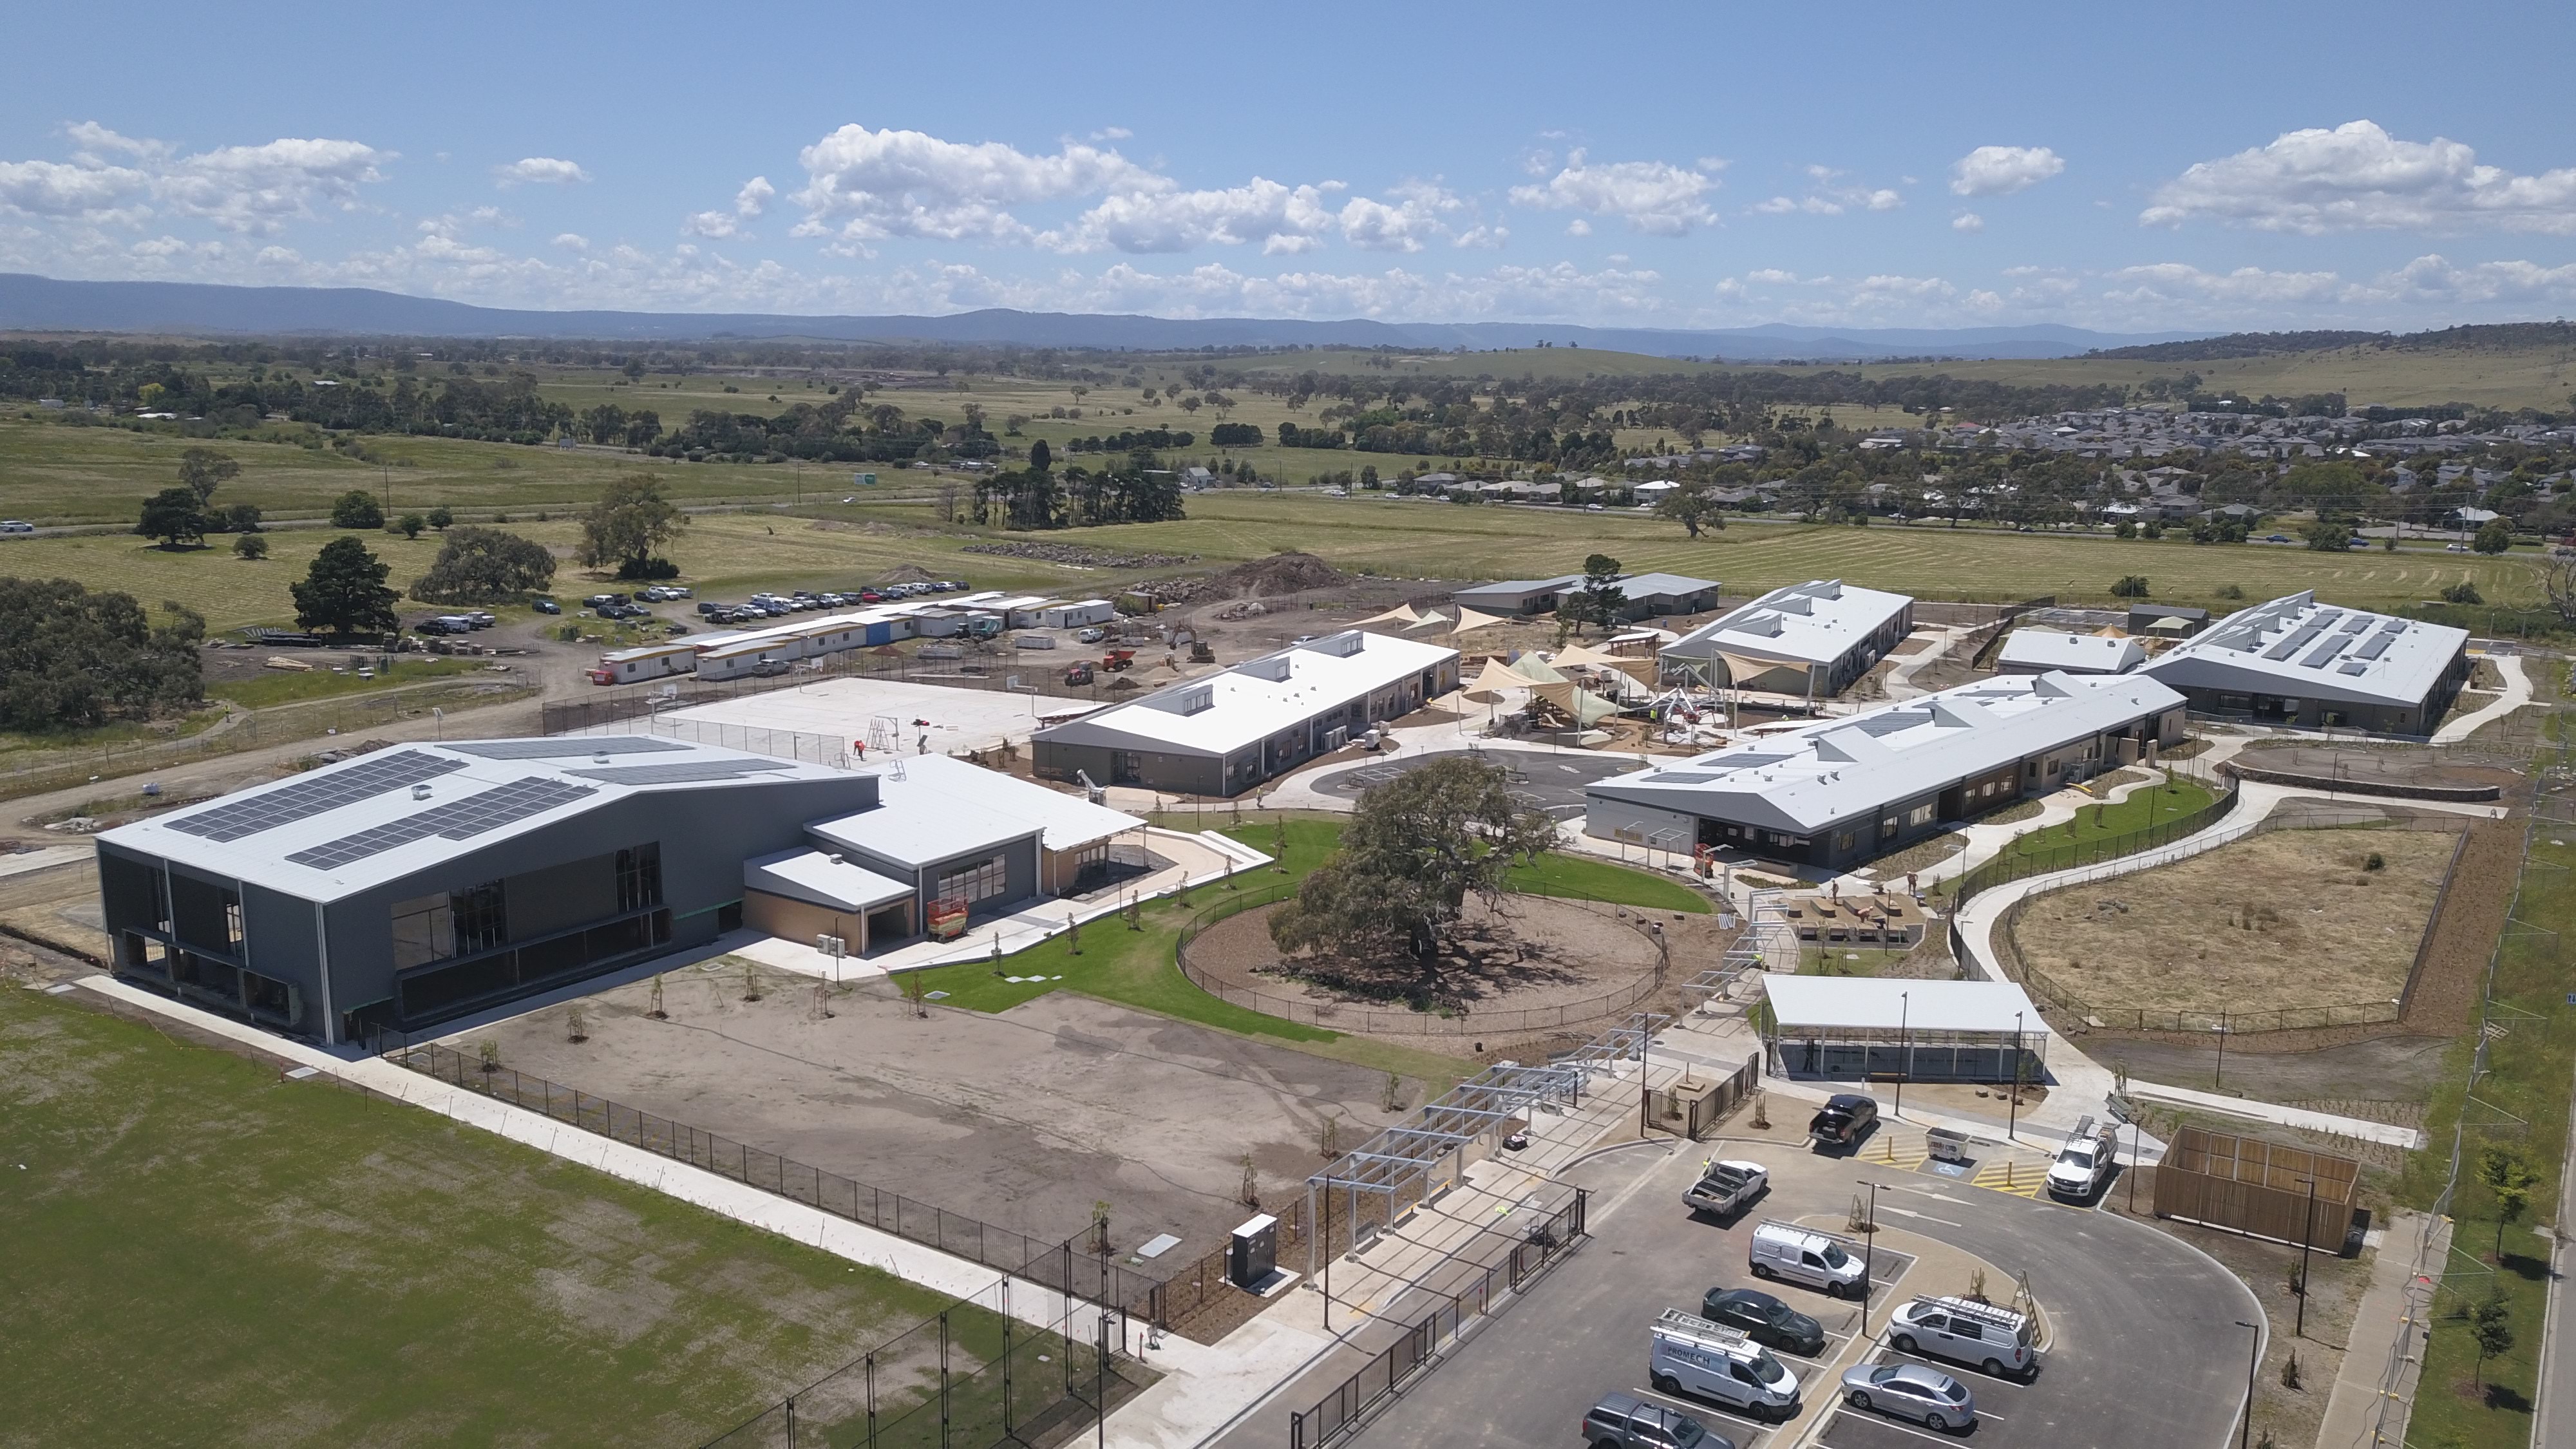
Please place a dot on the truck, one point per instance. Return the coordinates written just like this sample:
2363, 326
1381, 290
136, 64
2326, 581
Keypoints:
1725, 1188
1117, 660
2084, 1163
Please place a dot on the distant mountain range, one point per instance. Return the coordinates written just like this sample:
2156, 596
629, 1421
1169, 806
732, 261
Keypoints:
32, 303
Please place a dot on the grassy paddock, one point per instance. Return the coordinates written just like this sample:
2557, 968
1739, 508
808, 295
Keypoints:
201, 1253
2171, 800
290, 686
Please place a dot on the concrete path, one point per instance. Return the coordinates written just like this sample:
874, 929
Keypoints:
2517, 693
2386, 1133
1900, 680
2385, 1353
1987, 840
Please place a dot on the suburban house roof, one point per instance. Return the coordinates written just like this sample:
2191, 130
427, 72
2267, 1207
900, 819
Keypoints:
2296, 647
1805, 1004
932, 808
377, 817
1816, 622
1243, 705
2046, 649
1805, 779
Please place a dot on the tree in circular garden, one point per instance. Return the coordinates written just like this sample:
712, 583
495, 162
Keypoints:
344, 592
1415, 849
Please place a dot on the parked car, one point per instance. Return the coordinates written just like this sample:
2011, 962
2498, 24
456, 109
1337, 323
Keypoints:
2085, 1163
545, 606
1091, 634
16, 525
710, 609
1845, 1119
1993, 1338
480, 619
598, 600
678, 591
1928, 1396
1811, 1259
1624, 1421
1764, 1319
1726, 1188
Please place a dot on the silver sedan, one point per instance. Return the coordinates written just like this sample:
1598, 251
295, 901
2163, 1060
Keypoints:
1928, 1396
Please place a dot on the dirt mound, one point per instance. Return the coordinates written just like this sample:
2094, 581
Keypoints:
906, 574
1268, 578
1079, 556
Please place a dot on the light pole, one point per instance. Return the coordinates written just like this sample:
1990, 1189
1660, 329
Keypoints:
1905, 1040
2253, 1361
2012, 1113
1868, 1255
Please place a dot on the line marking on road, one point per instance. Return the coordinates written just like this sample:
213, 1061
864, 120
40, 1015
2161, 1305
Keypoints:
1920, 1217
1885, 1422
1695, 1406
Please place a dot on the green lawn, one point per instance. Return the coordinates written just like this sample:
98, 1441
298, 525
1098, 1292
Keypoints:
200, 1253
290, 686
2169, 801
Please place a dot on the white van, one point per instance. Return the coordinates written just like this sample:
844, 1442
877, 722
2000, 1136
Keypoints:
1711, 1361
1963, 1330
1808, 1258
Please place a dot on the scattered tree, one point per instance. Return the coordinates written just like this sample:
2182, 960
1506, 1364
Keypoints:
2508, 1178
174, 517
442, 518
1692, 508
2130, 586
203, 470
252, 546
479, 565
2463, 592
1415, 849
2324, 536
344, 592
2495, 536
242, 518
71, 658
629, 523
410, 525
2491, 1331
357, 508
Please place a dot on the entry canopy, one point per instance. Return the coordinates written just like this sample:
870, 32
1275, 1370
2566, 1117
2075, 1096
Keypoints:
1831, 1005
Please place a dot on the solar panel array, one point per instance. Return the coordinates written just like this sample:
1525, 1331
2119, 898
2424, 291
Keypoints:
553, 749
304, 799
683, 773
456, 820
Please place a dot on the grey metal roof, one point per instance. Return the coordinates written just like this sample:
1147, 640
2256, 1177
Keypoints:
2297, 648
1816, 622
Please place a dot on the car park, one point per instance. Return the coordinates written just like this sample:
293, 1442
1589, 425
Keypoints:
1703, 1360
1962, 1330
1844, 1120
1928, 1396
2085, 1163
1764, 1319
1726, 1188
1791, 1254
1624, 1421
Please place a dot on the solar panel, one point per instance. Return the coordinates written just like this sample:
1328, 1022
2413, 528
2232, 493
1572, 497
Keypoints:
562, 748
2377, 645
456, 820
304, 799
1687, 777
2355, 666
2294, 643
2318, 657
683, 773
2356, 624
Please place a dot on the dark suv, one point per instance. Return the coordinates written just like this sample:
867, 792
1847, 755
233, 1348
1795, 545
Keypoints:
1844, 1121
1764, 1319
1624, 1421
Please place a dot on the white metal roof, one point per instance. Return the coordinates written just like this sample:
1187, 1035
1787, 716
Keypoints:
932, 808
1243, 705
1816, 622
649, 651
322, 813
1862, 1003
1804, 779
829, 881
1649, 586
2046, 649
2296, 647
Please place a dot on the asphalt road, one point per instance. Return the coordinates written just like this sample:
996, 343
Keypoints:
1552, 782
2145, 1354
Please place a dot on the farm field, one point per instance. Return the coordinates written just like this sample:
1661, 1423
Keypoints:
736, 552
2283, 920
291, 1264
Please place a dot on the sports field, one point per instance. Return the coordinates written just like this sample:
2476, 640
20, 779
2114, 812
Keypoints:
200, 1253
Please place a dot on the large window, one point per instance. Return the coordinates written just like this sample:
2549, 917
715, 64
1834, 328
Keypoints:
639, 878
424, 930
982, 882
1922, 814
480, 924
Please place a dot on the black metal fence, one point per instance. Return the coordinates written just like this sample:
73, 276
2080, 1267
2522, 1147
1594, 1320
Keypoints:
1006, 670
1391, 1369
1081, 1275
2017, 863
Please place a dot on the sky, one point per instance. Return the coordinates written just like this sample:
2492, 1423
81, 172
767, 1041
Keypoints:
2188, 166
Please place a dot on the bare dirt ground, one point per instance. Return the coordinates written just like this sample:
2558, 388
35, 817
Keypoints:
2292, 918
1531, 953
1023, 1119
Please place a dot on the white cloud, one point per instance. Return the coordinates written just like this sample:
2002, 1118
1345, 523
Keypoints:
538, 171
1482, 235
1282, 219
2433, 280
879, 184
1654, 197
2358, 177
754, 197
2003, 170
1578, 227
279, 257
713, 224
1830, 197
2179, 281
572, 241
254, 190
1967, 221
1419, 216
1112, 133
53, 189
